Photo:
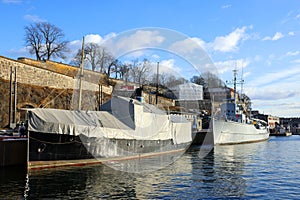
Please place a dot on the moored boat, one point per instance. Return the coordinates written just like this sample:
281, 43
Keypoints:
236, 132
124, 129
233, 124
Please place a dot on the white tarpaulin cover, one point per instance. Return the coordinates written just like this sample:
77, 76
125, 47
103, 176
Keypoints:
120, 118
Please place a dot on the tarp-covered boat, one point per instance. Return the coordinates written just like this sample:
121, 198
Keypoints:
123, 128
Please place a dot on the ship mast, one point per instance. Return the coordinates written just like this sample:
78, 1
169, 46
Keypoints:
234, 83
157, 82
81, 75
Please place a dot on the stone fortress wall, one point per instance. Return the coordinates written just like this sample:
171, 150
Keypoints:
45, 84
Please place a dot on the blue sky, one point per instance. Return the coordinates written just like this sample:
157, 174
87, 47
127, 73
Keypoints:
262, 37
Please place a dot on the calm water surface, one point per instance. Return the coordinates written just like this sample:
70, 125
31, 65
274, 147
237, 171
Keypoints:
265, 170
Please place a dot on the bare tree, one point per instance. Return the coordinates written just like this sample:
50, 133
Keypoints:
93, 55
77, 59
97, 58
140, 71
124, 70
34, 40
45, 40
105, 61
211, 80
173, 80
113, 68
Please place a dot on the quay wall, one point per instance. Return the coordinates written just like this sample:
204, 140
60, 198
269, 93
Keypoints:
50, 74
47, 84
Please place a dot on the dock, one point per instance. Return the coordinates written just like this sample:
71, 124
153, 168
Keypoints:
13, 150
281, 134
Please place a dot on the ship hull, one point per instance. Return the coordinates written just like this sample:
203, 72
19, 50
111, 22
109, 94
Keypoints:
229, 132
48, 150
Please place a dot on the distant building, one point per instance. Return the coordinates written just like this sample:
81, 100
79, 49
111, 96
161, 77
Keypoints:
125, 90
189, 96
220, 93
188, 92
293, 124
272, 121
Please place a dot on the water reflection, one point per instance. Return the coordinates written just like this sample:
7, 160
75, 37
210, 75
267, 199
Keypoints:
12, 182
146, 164
260, 170
101, 182
222, 172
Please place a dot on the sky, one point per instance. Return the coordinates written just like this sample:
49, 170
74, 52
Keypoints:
261, 39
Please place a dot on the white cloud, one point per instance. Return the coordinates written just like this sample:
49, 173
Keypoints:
135, 41
291, 33
226, 6
34, 18
188, 45
279, 78
278, 107
272, 91
297, 61
277, 36
229, 42
75, 45
229, 65
292, 53
167, 67
93, 38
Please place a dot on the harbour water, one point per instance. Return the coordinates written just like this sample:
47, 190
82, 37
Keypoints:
264, 170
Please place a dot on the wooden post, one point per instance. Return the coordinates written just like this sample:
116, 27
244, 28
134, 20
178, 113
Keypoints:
81, 75
157, 82
10, 98
15, 98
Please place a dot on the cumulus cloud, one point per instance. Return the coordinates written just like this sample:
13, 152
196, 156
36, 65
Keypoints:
93, 38
134, 41
188, 45
168, 66
229, 42
277, 36
291, 33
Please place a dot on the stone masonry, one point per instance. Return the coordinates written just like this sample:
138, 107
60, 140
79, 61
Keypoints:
47, 84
